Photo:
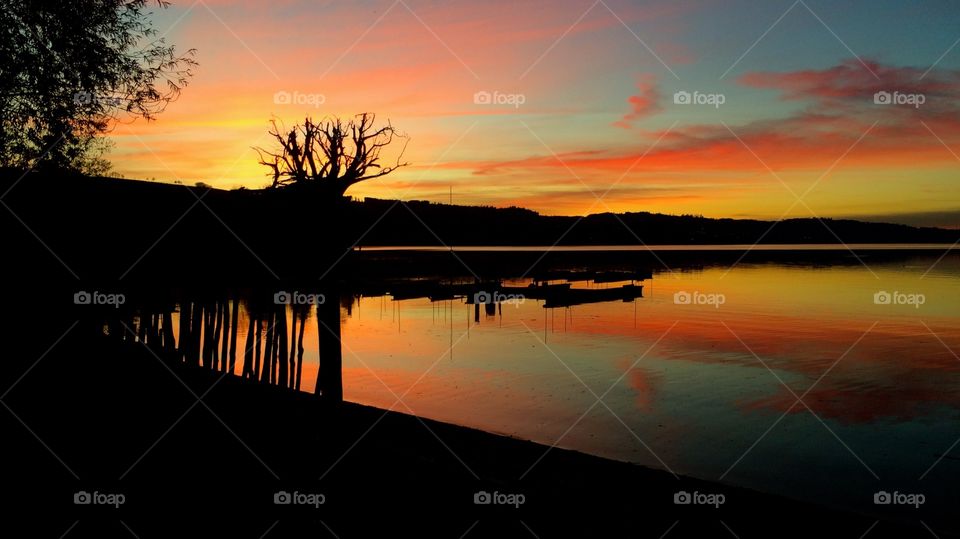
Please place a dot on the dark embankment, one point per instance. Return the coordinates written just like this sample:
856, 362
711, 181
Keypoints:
133, 231
109, 230
113, 418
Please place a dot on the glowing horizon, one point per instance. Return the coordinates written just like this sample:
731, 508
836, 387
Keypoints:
589, 104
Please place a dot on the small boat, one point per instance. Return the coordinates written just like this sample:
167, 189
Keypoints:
548, 286
580, 296
610, 276
414, 289
536, 290
617, 276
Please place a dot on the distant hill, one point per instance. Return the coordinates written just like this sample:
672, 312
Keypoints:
425, 223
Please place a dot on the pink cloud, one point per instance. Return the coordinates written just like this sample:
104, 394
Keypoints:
840, 109
852, 80
646, 102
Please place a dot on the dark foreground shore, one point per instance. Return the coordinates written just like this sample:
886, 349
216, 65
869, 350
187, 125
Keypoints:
197, 453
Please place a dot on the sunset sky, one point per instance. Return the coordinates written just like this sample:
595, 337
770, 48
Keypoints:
590, 101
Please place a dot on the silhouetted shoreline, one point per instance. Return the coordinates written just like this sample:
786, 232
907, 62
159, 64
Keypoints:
134, 230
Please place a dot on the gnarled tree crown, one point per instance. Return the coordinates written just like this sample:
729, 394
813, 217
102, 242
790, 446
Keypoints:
330, 154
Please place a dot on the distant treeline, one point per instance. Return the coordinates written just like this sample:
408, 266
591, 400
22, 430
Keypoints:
425, 223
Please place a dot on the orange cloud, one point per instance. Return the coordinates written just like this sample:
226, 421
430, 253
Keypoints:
644, 103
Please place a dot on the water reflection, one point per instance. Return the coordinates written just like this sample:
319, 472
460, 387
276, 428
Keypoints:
698, 384
707, 388
270, 335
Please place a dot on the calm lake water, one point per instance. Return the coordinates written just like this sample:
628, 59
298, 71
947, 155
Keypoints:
701, 376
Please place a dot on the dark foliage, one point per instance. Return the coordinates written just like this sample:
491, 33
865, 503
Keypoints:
70, 70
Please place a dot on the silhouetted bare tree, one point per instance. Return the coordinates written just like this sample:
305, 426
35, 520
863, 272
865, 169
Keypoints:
331, 155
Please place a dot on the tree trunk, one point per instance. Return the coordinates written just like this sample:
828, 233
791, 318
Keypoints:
225, 312
248, 351
141, 326
330, 375
196, 327
283, 357
256, 356
233, 334
266, 375
183, 349
215, 342
169, 344
209, 342
303, 324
